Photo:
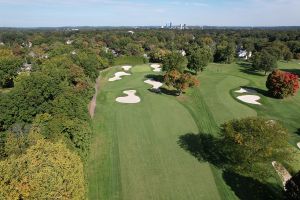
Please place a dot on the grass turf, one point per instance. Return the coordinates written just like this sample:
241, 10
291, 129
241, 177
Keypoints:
135, 154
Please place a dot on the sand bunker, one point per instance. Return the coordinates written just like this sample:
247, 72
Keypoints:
131, 98
252, 99
126, 68
245, 90
155, 84
282, 172
118, 76
156, 67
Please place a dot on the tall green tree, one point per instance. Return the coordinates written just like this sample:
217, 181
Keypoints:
9, 67
225, 52
249, 145
199, 59
264, 61
173, 61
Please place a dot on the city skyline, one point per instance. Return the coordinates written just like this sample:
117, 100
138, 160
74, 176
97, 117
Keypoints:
46, 13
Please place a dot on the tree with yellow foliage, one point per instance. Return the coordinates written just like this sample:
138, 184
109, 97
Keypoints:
45, 171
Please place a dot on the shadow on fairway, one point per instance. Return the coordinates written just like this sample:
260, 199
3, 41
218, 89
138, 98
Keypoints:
259, 91
298, 131
162, 90
246, 188
207, 148
247, 68
204, 147
155, 77
293, 71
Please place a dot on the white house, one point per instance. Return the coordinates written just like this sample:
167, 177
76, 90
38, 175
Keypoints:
183, 53
131, 32
242, 53
69, 42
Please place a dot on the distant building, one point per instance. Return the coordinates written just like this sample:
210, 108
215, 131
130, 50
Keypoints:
131, 32
69, 42
183, 53
25, 68
244, 54
1, 44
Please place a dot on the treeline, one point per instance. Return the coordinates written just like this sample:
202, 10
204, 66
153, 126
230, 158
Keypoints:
44, 123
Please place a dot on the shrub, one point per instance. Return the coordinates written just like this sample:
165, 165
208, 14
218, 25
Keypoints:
180, 81
292, 187
282, 84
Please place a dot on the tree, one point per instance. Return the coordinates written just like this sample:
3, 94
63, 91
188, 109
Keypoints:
89, 62
180, 81
199, 59
225, 52
249, 145
282, 84
132, 49
292, 187
287, 54
46, 171
75, 132
264, 61
157, 55
9, 67
173, 61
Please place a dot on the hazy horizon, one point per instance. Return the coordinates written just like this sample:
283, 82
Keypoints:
54, 13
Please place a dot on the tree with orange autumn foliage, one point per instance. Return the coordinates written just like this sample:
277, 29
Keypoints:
180, 81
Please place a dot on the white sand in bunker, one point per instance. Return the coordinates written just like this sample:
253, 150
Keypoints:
130, 98
155, 84
252, 99
298, 145
156, 67
126, 67
118, 76
282, 172
245, 90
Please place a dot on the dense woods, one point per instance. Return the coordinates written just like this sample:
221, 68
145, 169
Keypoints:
47, 79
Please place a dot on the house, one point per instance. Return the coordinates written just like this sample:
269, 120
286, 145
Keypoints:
25, 68
242, 54
131, 32
69, 42
32, 54
183, 53
1, 44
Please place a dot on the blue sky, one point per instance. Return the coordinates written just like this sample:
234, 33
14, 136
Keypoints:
33, 13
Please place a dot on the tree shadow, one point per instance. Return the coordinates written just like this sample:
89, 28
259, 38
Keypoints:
259, 91
246, 188
155, 77
207, 148
204, 147
162, 90
298, 131
293, 71
247, 68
